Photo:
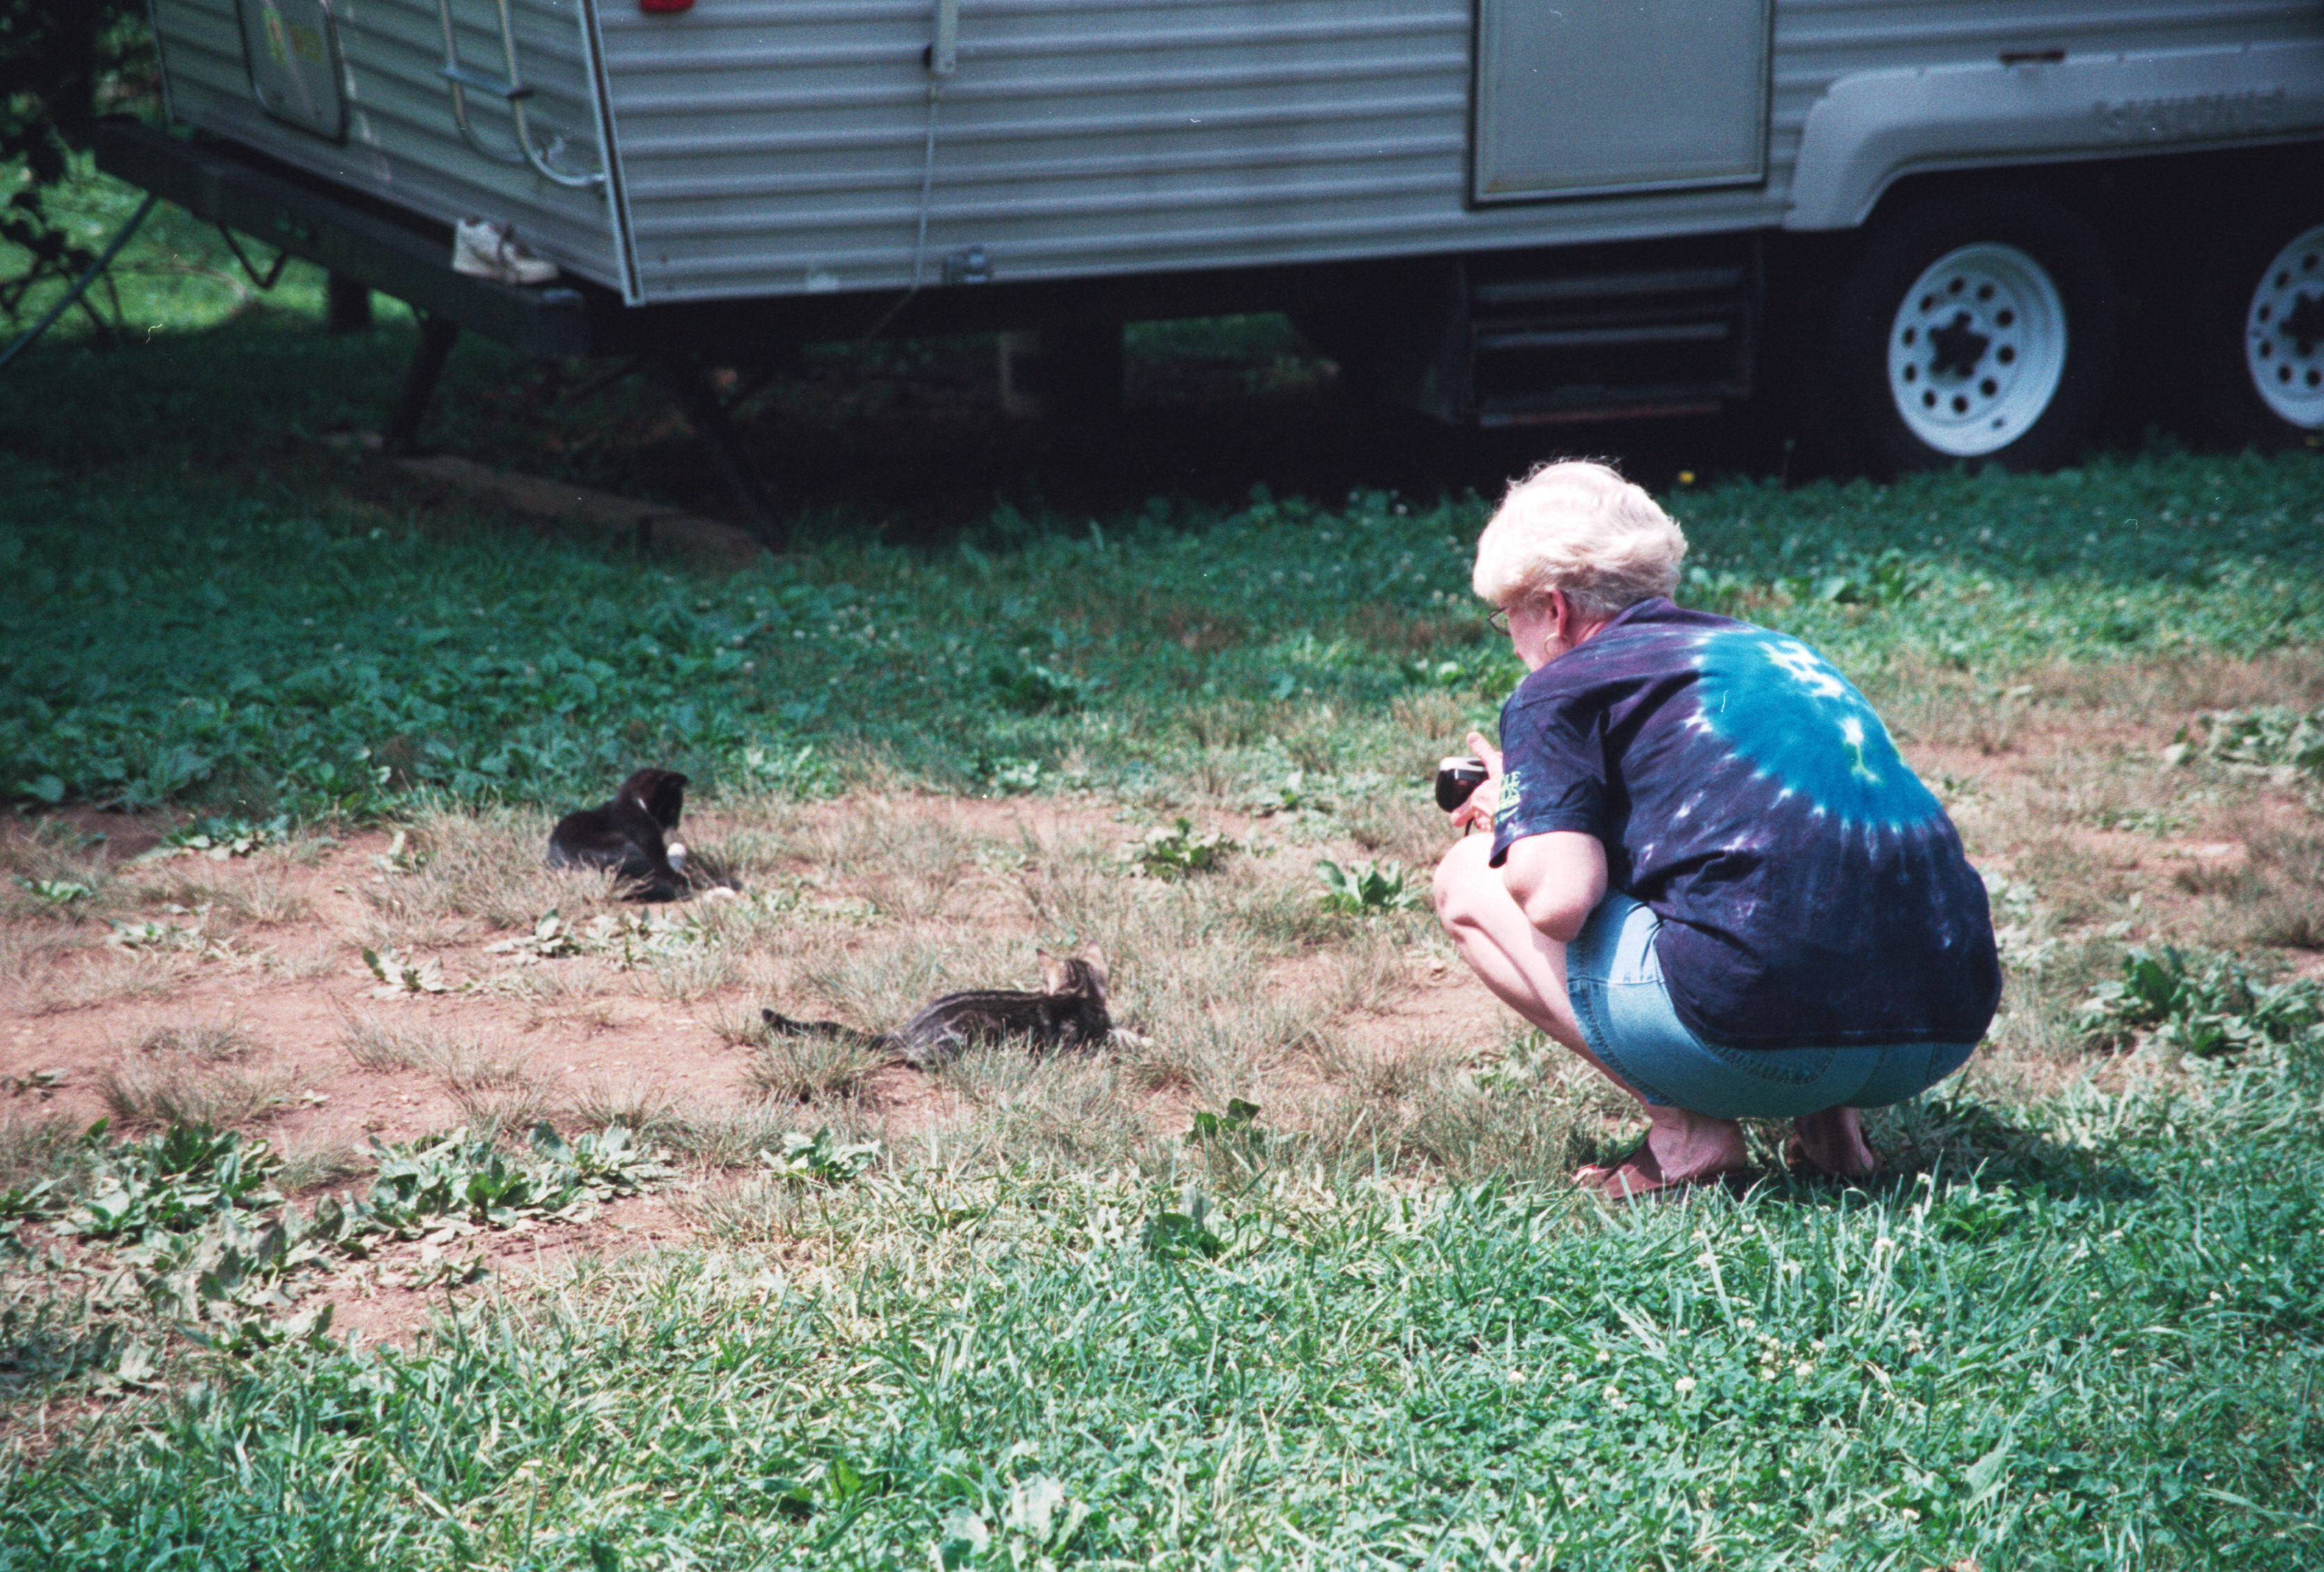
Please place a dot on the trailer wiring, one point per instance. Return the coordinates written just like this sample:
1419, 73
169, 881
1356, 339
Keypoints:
927, 196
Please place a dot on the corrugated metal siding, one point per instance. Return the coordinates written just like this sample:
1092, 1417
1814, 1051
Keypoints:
774, 146
1818, 42
401, 142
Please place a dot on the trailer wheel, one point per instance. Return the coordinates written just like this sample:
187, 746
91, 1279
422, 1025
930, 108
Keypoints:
1977, 330
2258, 321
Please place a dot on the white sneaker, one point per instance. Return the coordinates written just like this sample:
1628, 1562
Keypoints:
484, 248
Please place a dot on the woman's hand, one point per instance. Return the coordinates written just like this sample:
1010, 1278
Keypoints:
1477, 813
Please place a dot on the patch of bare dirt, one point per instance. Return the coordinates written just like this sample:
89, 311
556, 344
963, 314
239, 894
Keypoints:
276, 993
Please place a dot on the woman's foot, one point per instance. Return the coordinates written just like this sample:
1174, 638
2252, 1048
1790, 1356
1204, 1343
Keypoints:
1680, 1149
1831, 1143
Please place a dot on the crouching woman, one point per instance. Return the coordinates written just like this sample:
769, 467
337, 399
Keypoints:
1709, 873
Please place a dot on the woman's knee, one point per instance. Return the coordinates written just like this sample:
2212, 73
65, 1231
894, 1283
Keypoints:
1465, 877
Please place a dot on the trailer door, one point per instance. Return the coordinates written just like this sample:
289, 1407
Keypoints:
1580, 97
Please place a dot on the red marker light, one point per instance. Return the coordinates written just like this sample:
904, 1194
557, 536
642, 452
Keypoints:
664, 7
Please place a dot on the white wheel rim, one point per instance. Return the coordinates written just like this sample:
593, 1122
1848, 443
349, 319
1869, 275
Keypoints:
1977, 349
2283, 332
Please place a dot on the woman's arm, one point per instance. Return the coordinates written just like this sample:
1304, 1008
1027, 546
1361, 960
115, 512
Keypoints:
1557, 879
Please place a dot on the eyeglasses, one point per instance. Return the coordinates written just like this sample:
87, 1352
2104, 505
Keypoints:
1498, 619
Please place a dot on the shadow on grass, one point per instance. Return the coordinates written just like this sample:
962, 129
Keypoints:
1943, 1145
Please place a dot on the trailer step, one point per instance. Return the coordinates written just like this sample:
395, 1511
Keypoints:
1579, 337
1602, 334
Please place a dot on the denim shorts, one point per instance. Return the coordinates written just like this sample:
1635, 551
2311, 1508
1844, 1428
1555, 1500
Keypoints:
1615, 979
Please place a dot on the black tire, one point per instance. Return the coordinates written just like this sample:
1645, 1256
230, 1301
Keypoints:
2254, 318
2006, 355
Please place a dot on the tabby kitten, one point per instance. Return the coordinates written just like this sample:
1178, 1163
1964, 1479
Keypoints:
630, 836
1069, 1011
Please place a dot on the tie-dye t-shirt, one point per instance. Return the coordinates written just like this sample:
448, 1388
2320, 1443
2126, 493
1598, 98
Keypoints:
1812, 890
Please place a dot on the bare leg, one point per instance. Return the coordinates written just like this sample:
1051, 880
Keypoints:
1832, 1142
1526, 969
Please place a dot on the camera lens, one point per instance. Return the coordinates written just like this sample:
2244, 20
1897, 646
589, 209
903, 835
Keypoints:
1456, 778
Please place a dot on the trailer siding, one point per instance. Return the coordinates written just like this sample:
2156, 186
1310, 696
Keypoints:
779, 146
402, 144
775, 147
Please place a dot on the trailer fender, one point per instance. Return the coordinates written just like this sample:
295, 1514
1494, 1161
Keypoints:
1873, 127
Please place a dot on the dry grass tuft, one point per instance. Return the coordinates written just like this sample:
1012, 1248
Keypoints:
1407, 828
491, 1081
41, 860
380, 1044
810, 1069
206, 1041
2174, 688
2287, 906
174, 1090
1369, 976
486, 867
641, 1102
54, 979
1076, 1109
770, 1210
307, 1168
694, 972
733, 1136
884, 980
35, 1149
504, 1107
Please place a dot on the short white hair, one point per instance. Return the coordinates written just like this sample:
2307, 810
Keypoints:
1579, 527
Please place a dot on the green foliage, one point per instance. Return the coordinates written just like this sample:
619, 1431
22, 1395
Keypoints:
185, 634
188, 1226
1885, 582
170, 1182
821, 1158
62, 63
464, 1176
21, 1203
1195, 1227
2205, 1006
1030, 687
1238, 1123
628, 939
1177, 850
60, 892
2268, 736
135, 690
401, 978
1365, 889
220, 837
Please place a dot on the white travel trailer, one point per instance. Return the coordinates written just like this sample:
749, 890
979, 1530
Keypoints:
1924, 214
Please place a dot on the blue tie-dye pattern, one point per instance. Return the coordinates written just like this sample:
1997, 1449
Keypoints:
1782, 707
1812, 893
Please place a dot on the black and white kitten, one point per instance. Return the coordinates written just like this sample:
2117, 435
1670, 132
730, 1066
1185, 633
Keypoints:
1069, 1011
635, 836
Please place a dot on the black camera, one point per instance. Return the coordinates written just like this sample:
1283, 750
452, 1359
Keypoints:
1456, 779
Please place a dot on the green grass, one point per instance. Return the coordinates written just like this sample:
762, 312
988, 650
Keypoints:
243, 638
2084, 1350
213, 607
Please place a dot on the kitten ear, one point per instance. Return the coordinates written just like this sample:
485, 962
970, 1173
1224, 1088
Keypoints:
1095, 956
1052, 972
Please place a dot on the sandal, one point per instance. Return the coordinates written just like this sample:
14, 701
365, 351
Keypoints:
1613, 1184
